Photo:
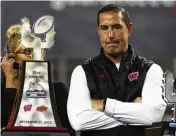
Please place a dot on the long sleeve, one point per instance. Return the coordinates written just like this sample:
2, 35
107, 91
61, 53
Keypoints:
79, 109
150, 110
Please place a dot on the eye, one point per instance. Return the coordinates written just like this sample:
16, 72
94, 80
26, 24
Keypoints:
28, 51
103, 28
116, 27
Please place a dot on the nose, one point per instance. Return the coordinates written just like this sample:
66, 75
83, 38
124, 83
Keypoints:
111, 34
30, 56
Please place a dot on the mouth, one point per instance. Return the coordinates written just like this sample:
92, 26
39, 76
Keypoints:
112, 44
115, 43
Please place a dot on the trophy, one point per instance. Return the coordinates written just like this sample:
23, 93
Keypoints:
170, 91
35, 111
167, 127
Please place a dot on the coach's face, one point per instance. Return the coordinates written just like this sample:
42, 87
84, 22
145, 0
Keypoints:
113, 33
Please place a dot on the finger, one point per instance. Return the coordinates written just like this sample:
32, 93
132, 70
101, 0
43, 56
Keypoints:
137, 100
11, 60
11, 55
4, 59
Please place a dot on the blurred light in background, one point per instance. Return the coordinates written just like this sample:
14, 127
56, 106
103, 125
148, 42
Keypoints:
154, 30
60, 5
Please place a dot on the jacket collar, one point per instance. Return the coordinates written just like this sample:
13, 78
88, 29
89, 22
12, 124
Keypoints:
125, 60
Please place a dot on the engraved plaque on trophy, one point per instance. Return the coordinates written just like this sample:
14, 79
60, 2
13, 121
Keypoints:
35, 110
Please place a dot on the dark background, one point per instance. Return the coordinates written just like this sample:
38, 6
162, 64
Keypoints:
154, 31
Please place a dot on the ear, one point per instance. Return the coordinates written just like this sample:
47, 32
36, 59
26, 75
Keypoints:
130, 28
98, 30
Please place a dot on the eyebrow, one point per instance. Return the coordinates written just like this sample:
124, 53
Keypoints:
103, 26
112, 25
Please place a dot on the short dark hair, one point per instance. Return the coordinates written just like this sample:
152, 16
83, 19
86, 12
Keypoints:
115, 8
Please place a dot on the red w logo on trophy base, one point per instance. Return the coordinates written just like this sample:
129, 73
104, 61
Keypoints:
27, 107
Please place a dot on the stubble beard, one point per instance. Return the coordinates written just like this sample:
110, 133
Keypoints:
114, 57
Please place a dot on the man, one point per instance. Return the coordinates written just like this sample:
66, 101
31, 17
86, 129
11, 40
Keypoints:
116, 93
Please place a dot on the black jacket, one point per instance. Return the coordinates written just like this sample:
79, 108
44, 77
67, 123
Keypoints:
106, 81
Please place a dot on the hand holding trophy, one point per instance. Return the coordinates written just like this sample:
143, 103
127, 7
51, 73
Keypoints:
35, 110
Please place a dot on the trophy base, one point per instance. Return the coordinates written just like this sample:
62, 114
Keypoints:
35, 131
162, 129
